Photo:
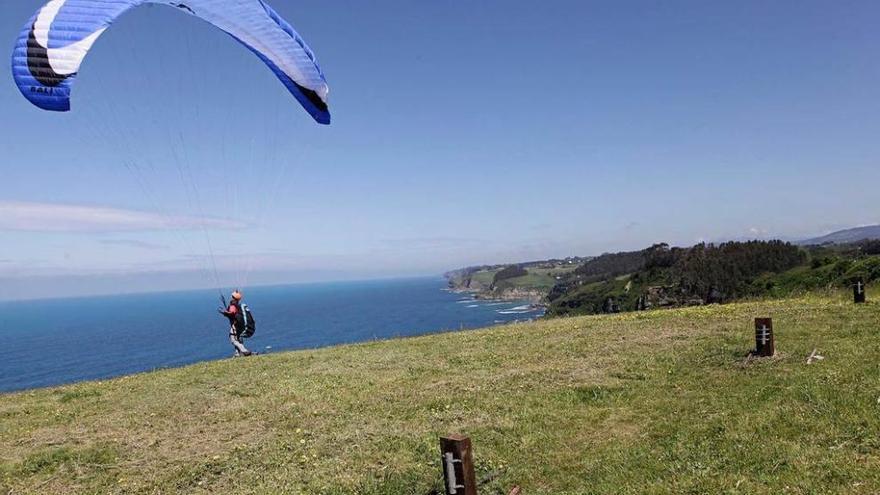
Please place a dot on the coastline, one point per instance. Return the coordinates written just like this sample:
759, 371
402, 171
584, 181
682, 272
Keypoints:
532, 303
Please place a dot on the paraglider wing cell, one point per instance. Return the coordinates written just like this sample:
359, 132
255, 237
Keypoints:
53, 44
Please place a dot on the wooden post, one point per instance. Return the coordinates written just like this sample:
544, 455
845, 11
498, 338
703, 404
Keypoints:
457, 458
859, 291
765, 346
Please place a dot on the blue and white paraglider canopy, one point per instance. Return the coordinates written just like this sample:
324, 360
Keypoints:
53, 44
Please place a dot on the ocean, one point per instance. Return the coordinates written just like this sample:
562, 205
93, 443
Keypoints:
52, 342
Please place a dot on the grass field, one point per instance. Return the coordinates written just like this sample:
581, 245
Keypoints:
553, 272
531, 281
638, 403
485, 277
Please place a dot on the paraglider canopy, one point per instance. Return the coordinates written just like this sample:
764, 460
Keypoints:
53, 44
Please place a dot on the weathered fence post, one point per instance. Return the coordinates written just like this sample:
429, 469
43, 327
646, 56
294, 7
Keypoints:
859, 291
459, 477
765, 345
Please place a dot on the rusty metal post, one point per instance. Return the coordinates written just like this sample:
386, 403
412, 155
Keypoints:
859, 291
457, 458
765, 345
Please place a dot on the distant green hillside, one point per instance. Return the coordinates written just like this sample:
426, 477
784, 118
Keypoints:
663, 276
534, 279
847, 236
659, 402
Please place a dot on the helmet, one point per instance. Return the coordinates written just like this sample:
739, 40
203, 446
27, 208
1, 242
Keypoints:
236, 295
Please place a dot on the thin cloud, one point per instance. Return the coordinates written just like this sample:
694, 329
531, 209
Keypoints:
432, 242
50, 217
134, 244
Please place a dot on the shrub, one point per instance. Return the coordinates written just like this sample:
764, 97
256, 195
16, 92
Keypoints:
511, 271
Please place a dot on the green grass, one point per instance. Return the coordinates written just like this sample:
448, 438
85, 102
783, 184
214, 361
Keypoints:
485, 277
557, 271
532, 281
639, 403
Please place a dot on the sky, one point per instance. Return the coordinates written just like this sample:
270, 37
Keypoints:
464, 133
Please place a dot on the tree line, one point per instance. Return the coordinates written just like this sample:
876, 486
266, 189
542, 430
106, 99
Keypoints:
666, 275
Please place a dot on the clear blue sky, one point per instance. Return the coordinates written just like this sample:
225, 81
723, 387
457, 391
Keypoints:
464, 132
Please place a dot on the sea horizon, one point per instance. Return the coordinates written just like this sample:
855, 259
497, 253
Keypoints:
58, 341
222, 290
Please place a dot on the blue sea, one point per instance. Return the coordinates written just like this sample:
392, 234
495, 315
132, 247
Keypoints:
52, 342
